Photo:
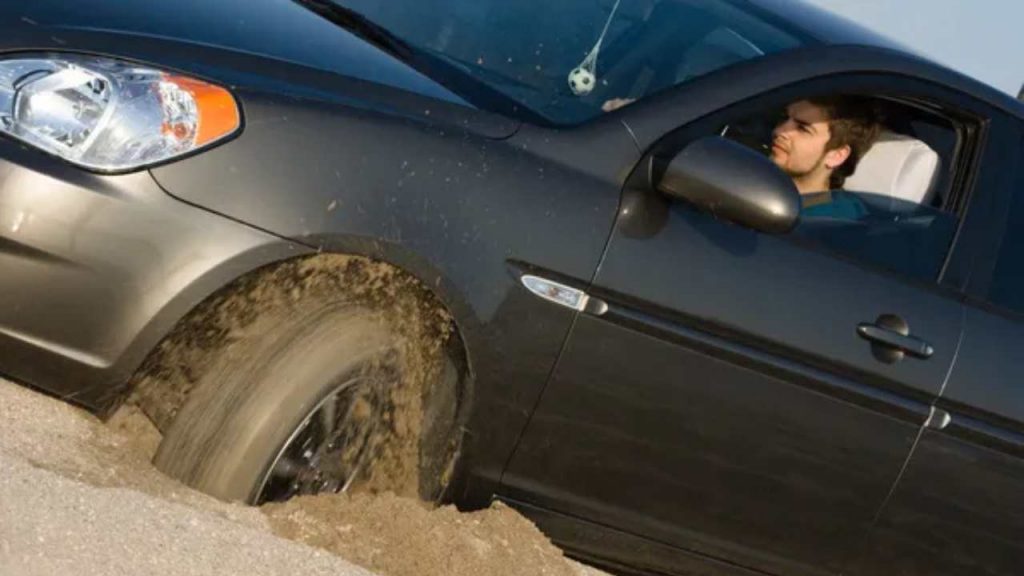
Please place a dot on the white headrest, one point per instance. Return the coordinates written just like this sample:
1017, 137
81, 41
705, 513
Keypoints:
898, 166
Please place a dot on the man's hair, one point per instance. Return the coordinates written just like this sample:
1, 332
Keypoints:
852, 121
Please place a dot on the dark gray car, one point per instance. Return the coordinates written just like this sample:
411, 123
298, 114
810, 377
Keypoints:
354, 244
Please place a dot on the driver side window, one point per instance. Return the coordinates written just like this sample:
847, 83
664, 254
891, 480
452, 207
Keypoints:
893, 209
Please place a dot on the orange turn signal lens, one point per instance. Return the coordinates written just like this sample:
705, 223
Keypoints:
218, 114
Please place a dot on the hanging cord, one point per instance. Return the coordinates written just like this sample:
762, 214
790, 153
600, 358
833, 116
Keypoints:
590, 62
584, 77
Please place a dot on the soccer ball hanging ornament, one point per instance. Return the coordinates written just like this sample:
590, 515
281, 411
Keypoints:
583, 78
581, 81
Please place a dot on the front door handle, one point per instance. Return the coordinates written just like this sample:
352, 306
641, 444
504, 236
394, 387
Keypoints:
890, 339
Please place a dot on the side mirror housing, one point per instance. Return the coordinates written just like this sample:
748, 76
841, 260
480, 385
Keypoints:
734, 183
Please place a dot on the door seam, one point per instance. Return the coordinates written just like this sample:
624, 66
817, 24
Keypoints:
924, 425
917, 439
572, 325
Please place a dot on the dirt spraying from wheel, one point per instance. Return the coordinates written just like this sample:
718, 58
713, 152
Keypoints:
383, 524
415, 437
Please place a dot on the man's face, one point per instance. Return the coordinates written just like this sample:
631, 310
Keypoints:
798, 143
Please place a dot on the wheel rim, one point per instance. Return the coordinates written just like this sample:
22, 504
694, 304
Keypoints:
329, 449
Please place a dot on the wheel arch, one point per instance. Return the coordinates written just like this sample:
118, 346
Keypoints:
190, 313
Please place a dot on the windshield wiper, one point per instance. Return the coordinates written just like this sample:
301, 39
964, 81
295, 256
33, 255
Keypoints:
435, 65
360, 26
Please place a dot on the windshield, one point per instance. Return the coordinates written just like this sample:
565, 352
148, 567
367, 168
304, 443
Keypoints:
566, 60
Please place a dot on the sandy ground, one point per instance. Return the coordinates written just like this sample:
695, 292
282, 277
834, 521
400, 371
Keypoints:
80, 497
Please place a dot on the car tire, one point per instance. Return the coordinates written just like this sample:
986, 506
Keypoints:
321, 392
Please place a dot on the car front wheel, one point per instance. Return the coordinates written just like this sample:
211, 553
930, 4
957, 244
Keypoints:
324, 389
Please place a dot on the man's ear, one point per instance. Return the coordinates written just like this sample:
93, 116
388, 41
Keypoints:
835, 158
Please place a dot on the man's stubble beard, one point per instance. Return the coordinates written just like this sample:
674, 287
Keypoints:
797, 175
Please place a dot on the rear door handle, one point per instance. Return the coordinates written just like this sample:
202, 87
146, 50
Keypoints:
890, 339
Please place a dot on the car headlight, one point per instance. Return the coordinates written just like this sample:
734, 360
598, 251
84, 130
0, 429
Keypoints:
109, 115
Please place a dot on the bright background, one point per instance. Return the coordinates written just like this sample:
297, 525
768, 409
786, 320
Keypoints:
981, 38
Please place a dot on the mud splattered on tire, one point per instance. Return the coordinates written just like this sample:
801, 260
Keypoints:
236, 318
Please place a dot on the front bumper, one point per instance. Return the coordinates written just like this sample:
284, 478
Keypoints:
95, 270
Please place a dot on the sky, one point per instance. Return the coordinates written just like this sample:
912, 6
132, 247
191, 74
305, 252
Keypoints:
981, 38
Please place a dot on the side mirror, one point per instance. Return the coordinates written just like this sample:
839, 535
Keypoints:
734, 183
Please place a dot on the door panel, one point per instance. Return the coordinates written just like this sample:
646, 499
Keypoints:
725, 404
778, 295
959, 508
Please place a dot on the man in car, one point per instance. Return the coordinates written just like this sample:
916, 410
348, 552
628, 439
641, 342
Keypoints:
818, 144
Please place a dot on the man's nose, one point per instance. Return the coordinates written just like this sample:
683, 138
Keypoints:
782, 129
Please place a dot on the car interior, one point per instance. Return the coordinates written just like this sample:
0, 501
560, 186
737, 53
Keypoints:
905, 181
910, 163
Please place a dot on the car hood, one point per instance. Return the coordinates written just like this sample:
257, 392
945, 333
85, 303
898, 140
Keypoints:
278, 30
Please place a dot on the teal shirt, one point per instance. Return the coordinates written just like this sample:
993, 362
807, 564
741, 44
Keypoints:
833, 204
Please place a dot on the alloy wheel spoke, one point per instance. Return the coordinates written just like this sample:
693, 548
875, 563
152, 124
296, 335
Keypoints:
287, 468
329, 416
